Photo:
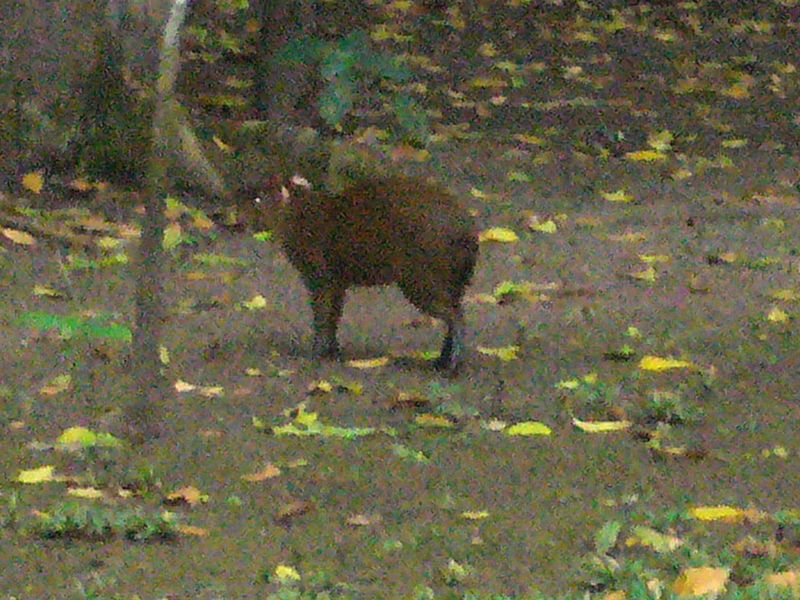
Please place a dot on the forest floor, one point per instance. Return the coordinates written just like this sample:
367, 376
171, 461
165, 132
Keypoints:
652, 288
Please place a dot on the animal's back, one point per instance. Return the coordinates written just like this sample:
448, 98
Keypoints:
377, 230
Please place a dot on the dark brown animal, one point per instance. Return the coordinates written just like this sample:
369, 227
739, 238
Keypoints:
379, 231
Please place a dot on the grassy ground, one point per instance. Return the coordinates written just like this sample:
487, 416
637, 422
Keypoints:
384, 515
546, 496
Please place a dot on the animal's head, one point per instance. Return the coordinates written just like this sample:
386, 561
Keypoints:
263, 199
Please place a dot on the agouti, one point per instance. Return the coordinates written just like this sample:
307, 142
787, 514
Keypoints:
379, 231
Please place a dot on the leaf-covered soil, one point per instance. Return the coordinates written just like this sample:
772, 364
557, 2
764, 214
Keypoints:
272, 473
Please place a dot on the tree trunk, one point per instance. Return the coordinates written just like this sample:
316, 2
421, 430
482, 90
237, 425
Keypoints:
143, 414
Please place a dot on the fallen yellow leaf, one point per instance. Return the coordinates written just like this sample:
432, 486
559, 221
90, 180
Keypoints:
649, 275
632, 236
651, 538
80, 185
87, 492
529, 139
360, 520
488, 82
255, 303
19, 237
202, 222
86, 438
38, 475
481, 299
661, 141
474, 515
717, 513
548, 226
654, 363
214, 391
618, 196
182, 386
268, 472
481, 195
487, 49
734, 143
790, 579
172, 236
369, 363
33, 181
665, 36
429, 420
222, 145
506, 353
41, 290
600, 426
776, 315
320, 387
107, 243
654, 258
186, 495
526, 428
495, 425
498, 234
737, 91
645, 156
699, 581
56, 385
192, 530
285, 574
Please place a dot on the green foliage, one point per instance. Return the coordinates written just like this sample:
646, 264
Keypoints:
760, 591
81, 263
602, 572
233, 5
336, 101
437, 391
596, 398
316, 586
456, 409
410, 454
216, 260
670, 407
9, 511
77, 520
606, 537
141, 527
411, 117
70, 326
349, 66
141, 480
423, 592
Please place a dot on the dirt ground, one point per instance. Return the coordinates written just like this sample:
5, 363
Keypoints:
546, 496
699, 264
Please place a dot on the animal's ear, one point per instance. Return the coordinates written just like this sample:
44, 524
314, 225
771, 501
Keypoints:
300, 181
283, 195
275, 190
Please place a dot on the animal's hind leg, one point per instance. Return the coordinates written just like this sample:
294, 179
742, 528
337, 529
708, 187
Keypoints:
453, 346
439, 303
